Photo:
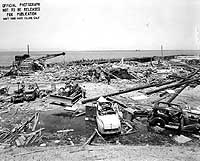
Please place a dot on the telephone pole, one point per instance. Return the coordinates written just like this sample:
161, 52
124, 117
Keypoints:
28, 49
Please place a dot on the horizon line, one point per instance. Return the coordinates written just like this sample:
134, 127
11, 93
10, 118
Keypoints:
137, 50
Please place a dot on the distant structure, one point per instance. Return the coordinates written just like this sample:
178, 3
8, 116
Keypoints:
162, 54
192, 60
19, 58
25, 63
36, 63
28, 49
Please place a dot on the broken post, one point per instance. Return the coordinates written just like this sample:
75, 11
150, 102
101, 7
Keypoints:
90, 139
177, 93
171, 86
127, 90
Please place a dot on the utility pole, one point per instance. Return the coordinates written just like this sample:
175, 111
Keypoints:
28, 49
64, 60
162, 52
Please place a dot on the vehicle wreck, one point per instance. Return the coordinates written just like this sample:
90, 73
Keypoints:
108, 121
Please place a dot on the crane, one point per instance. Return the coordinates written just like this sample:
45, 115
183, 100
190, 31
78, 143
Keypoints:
49, 56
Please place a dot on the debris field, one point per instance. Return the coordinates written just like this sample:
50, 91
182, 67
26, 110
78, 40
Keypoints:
155, 102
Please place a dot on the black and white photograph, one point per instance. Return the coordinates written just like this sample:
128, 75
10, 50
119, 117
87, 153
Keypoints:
99, 80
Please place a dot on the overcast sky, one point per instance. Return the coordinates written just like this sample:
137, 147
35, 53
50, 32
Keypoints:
106, 24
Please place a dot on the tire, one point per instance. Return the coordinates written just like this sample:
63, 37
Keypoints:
157, 121
12, 100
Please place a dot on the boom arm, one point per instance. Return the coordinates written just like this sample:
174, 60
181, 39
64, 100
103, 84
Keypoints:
49, 56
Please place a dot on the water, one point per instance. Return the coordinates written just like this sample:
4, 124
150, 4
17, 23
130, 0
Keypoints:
7, 57
60, 119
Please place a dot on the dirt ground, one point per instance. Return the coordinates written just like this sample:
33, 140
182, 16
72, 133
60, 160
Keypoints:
102, 152
144, 144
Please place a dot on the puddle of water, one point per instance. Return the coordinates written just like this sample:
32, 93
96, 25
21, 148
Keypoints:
60, 119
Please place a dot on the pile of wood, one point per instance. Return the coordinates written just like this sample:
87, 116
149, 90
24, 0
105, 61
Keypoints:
23, 135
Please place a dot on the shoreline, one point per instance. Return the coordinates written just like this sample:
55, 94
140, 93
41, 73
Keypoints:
110, 60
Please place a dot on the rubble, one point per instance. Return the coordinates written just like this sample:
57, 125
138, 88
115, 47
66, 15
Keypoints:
22, 135
136, 87
68, 95
182, 139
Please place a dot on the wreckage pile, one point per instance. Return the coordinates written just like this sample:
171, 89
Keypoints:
22, 135
68, 95
65, 86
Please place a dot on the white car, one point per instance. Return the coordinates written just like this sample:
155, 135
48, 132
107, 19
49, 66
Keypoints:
108, 121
